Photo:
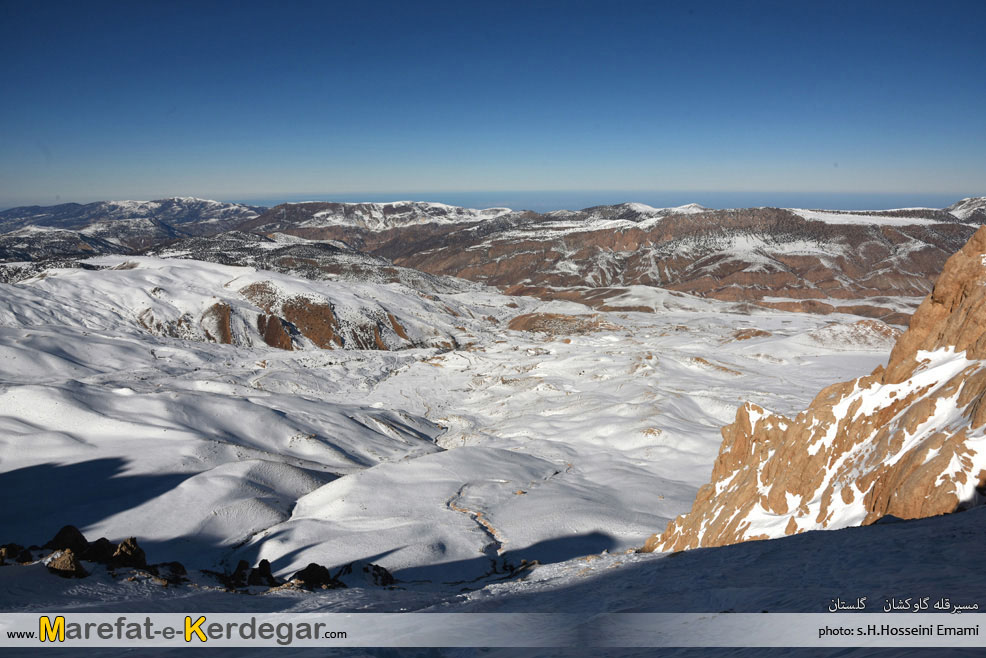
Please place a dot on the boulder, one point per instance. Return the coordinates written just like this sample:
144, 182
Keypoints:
10, 552
64, 563
101, 551
69, 537
361, 574
316, 576
261, 576
239, 576
129, 554
169, 572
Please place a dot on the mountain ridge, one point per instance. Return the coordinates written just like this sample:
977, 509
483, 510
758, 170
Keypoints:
871, 263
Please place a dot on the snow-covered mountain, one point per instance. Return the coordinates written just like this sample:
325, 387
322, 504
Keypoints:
541, 436
972, 210
510, 456
309, 259
38, 243
369, 216
817, 261
908, 440
243, 306
871, 263
133, 224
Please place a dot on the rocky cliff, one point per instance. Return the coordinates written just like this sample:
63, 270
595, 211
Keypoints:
908, 440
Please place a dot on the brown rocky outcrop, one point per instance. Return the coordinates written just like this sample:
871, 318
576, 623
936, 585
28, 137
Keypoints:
129, 554
286, 316
65, 563
559, 324
905, 441
315, 320
218, 317
273, 331
747, 334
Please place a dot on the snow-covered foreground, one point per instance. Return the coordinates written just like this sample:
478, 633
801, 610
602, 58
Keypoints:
447, 467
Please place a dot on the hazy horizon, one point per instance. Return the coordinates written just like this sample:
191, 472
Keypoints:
546, 200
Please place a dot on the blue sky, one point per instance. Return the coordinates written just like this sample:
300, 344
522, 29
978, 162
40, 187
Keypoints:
363, 99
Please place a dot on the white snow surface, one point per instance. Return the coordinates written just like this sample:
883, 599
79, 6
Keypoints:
966, 207
382, 216
443, 466
330, 456
836, 217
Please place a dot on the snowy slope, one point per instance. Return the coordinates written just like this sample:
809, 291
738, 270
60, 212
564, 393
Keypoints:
439, 465
210, 302
972, 209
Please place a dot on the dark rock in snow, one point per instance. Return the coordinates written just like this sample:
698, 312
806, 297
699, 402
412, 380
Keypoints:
71, 538
364, 573
315, 575
101, 551
261, 575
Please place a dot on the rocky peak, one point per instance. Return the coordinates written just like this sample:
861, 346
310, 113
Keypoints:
905, 441
953, 315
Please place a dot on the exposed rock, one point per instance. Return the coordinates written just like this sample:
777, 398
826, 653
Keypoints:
560, 324
316, 576
129, 554
274, 332
905, 441
171, 573
314, 320
100, 551
217, 317
954, 314
239, 576
10, 552
747, 334
64, 563
818, 260
69, 537
356, 574
261, 576
288, 316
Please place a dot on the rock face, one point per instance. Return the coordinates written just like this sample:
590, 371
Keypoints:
908, 440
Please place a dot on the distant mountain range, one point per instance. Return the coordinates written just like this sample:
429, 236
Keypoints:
133, 224
792, 259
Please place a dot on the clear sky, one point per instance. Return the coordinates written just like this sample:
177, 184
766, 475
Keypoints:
286, 100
